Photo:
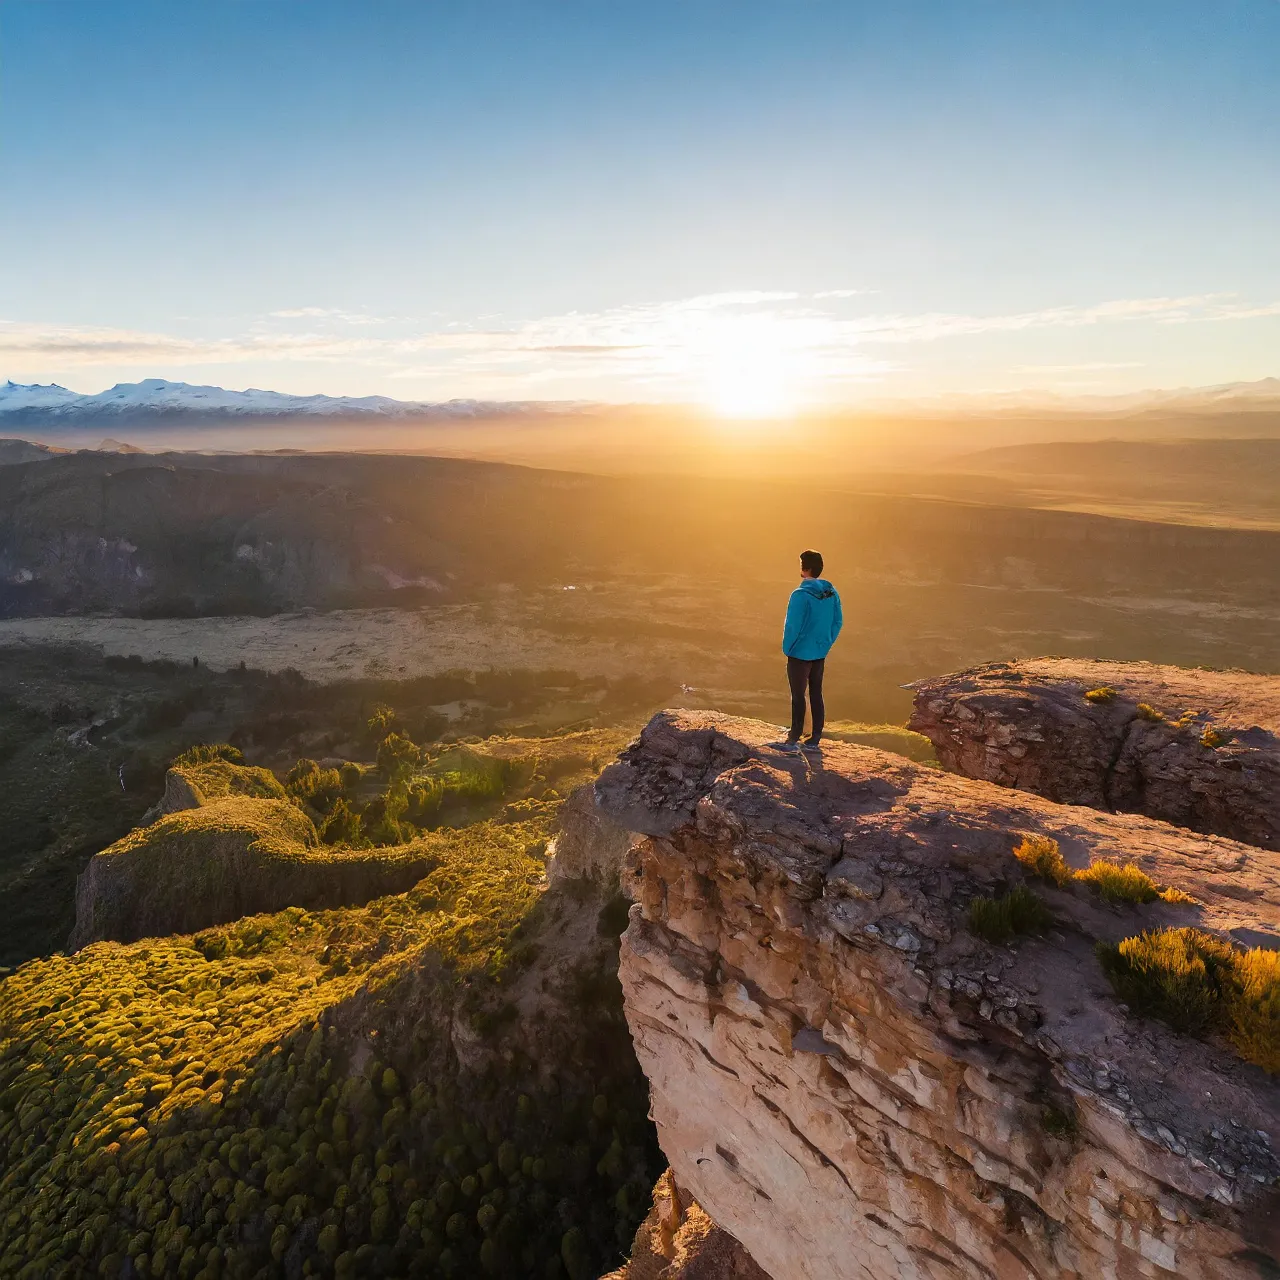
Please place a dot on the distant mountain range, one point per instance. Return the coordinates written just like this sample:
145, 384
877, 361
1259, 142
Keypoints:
155, 401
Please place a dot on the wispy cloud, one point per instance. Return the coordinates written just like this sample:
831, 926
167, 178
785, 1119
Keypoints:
1092, 366
663, 350
334, 314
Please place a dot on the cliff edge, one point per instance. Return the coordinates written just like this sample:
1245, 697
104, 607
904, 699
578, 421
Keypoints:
853, 1083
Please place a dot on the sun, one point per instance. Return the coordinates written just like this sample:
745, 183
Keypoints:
748, 369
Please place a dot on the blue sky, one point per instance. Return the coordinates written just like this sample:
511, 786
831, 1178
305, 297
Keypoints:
782, 203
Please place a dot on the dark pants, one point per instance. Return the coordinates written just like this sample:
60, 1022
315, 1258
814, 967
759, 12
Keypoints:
803, 675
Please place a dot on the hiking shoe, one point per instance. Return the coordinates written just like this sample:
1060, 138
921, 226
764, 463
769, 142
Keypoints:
811, 748
791, 748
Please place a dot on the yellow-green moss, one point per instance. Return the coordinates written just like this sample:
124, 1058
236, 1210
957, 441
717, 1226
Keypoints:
231, 858
1103, 693
219, 779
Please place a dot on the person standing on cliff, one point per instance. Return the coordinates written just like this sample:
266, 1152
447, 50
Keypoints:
814, 619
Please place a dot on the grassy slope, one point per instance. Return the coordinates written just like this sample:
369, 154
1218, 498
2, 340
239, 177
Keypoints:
235, 856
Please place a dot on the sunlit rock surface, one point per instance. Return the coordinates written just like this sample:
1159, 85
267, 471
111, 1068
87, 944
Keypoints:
679, 1241
852, 1084
1197, 748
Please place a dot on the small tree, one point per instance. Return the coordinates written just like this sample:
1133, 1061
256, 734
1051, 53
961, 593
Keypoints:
397, 756
381, 720
343, 826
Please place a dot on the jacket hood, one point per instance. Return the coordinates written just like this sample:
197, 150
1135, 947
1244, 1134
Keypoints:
819, 588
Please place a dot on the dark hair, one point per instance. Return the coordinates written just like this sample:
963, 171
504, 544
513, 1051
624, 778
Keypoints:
811, 562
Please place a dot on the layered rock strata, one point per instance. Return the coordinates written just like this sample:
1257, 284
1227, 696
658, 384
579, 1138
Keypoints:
852, 1084
1196, 748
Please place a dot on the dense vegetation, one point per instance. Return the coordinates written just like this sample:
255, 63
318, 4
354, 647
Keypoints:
84, 743
432, 1083
284, 1095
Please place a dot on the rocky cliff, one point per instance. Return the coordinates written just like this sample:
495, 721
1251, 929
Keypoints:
1196, 748
587, 845
853, 1083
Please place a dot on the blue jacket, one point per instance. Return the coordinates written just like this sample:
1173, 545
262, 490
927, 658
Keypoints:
813, 621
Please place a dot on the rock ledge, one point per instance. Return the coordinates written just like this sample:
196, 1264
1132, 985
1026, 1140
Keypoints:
853, 1085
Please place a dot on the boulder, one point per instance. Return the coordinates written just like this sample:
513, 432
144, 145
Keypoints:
1196, 748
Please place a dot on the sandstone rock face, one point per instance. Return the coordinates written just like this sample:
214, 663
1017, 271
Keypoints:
853, 1085
588, 845
1196, 748
678, 1241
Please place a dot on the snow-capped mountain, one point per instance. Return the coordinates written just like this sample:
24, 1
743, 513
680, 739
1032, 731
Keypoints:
155, 401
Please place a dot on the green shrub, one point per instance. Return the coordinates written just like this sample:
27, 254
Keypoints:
1147, 712
1116, 883
343, 826
303, 769
382, 818
1255, 1014
1103, 693
1212, 737
1042, 857
1000, 920
1128, 883
381, 720
316, 788
397, 757
350, 775
1184, 977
